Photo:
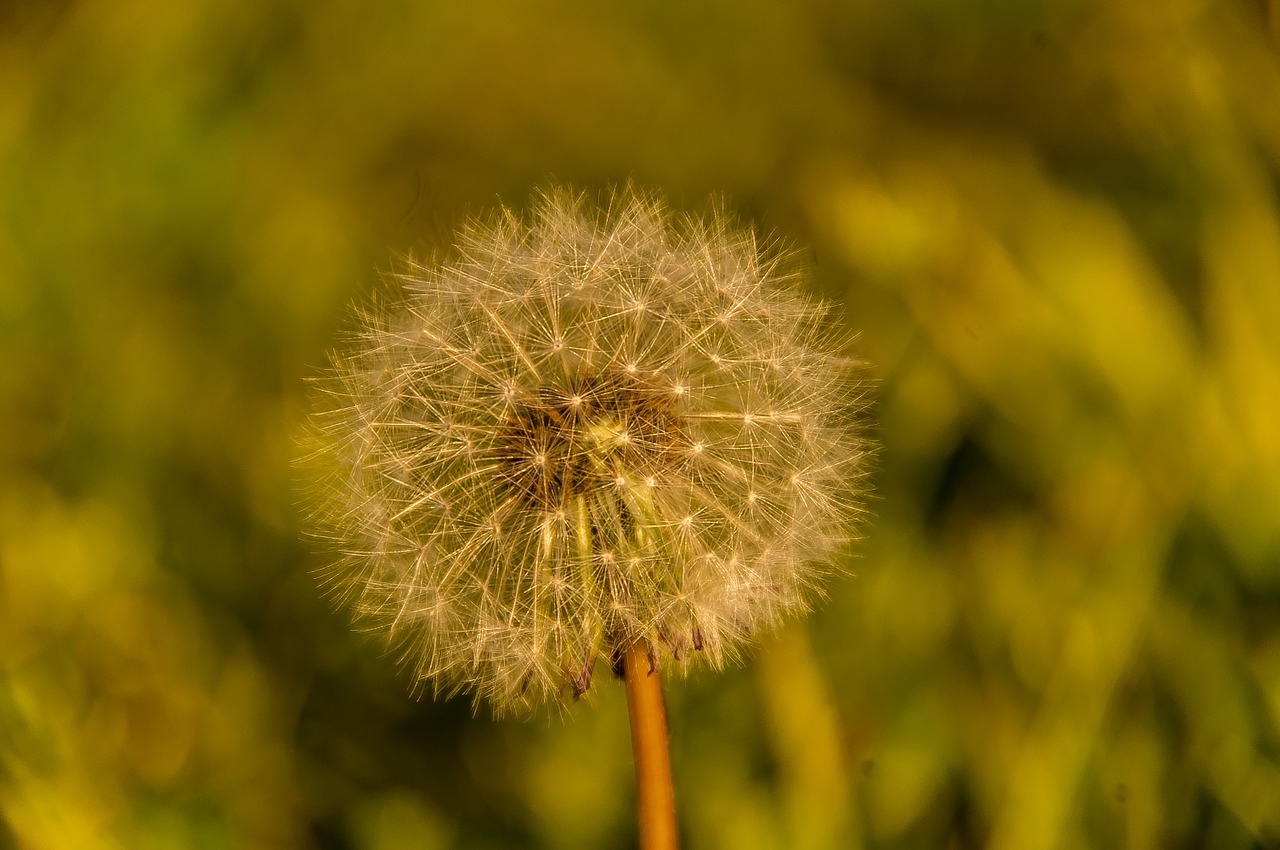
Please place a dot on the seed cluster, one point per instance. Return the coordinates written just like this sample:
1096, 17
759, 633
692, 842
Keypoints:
599, 426
586, 439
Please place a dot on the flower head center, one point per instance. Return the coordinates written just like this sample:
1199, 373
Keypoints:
579, 439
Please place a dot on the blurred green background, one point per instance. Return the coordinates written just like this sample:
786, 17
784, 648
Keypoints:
1055, 222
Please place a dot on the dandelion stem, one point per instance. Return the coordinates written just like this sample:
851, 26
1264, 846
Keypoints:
655, 793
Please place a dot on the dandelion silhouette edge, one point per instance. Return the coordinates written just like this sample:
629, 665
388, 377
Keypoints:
598, 424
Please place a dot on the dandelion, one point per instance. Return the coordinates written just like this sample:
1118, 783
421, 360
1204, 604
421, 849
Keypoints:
600, 435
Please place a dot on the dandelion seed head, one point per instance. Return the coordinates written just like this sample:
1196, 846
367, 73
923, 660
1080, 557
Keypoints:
599, 425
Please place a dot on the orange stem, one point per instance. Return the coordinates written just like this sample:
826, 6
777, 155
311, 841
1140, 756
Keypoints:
655, 793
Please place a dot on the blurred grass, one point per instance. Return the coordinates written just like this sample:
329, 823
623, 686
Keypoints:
1055, 223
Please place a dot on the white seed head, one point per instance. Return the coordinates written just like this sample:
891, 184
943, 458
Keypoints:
600, 425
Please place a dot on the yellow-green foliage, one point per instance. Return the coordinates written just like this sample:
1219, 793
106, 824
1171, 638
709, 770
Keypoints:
1056, 224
